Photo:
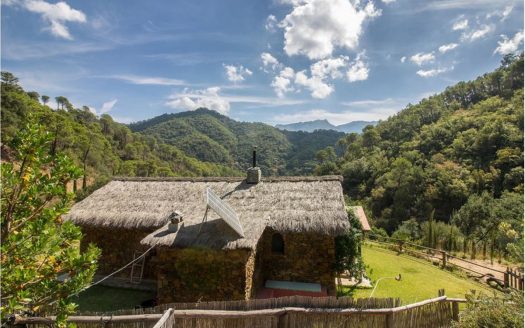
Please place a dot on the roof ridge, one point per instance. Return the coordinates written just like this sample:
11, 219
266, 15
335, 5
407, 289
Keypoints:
233, 179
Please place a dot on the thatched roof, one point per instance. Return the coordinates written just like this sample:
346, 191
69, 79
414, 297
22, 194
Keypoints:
286, 204
360, 214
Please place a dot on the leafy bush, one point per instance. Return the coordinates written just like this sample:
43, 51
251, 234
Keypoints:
494, 312
348, 249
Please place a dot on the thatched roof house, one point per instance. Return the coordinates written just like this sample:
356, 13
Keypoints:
305, 213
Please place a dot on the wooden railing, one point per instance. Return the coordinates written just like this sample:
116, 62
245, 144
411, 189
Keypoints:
513, 279
436, 312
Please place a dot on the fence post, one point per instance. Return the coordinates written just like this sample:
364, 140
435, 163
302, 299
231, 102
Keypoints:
455, 311
389, 320
444, 257
506, 278
282, 321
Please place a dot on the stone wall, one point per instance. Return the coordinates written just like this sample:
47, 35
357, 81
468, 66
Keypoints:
308, 257
118, 246
190, 274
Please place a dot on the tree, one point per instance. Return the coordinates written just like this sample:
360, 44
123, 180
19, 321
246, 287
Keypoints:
9, 78
41, 262
33, 95
476, 219
9, 82
45, 99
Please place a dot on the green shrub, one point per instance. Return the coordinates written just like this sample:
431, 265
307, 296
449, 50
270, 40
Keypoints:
494, 312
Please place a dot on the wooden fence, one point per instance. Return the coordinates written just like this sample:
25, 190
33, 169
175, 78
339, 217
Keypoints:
329, 302
513, 279
436, 312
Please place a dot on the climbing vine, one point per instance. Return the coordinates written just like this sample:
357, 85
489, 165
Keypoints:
348, 249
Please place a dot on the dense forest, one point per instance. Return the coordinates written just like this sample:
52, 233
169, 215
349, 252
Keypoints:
99, 145
212, 137
455, 157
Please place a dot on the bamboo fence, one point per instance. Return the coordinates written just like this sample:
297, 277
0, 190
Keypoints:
436, 312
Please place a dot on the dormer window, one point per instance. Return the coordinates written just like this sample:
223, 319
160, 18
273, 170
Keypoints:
277, 243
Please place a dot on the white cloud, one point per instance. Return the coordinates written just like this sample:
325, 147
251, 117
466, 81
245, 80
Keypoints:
318, 87
269, 61
460, 25
422, 58
432, 72
271, 23
207, 98
502, 14
370, 103
402, 59
282, 83
317, 81
506, 12
315, 27
388, 1
507, 46
447, 47
147, 80
330, 67
106, 107
236, 73
358, 70
457, 4
56, 15
477, 34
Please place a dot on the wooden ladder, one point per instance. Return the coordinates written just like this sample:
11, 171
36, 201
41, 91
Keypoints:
137, 268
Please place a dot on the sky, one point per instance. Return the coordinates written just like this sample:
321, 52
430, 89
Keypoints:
276, 61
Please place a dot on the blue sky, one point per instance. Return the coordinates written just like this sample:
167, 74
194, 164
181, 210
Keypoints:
276, 61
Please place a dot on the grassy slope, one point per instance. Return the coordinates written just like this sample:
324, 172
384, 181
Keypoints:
420, 280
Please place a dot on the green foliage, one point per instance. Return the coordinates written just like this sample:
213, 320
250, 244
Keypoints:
499, 310
348, 249
212, 137
436, 154
408, 230
41, 261
101, 146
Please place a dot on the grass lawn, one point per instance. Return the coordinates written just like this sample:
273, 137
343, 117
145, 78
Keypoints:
102, 298
419, 279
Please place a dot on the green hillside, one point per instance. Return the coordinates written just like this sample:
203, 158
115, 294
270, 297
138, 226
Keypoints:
210, 136
457, 154
100, 145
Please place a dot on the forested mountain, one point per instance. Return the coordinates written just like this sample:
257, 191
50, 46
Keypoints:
101, 146
310, 126
440, 155
212, 137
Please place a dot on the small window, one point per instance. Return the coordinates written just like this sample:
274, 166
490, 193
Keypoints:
277, 243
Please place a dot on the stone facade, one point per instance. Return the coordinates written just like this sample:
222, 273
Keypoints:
117, 247
307, 257
191, 274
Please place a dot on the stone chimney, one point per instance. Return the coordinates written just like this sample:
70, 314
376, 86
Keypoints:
253, 175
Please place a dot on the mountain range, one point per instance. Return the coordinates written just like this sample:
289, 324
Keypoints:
310, 126
211, 137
